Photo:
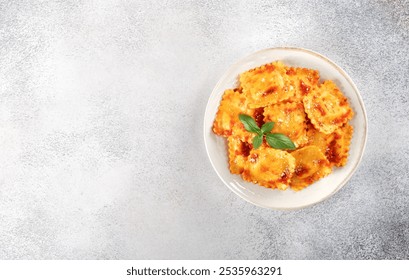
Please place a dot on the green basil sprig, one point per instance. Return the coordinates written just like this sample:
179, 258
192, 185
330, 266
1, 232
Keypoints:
275, 140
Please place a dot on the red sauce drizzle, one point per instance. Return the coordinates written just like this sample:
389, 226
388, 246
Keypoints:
320, 109
301, 170
331, 153
290, 72
344, 102
289, 110
258, 116
284, 177
304, 88
253, 158
245, 148
270, 90
270, 68
342, 118
267, 68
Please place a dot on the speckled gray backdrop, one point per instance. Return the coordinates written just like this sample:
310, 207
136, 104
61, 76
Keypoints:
101, 115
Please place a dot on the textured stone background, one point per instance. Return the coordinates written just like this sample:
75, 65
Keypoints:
101, 114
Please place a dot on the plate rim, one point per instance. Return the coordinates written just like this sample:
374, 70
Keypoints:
361, 103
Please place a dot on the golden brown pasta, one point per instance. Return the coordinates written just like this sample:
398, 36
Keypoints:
240, 132
289, 119
238, 153
310, 166
266, 85
233, 103
319, 139
327, 107
314, 116
302, 79
269, 167
338, 147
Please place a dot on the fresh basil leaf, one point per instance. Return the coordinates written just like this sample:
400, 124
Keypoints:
249, 123
280, 141
257, 141
267, 127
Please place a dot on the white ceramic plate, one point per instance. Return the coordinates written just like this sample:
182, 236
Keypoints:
216, 146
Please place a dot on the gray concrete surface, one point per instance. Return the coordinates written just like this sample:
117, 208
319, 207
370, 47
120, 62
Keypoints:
101, 114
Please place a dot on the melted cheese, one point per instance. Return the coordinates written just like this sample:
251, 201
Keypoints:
269, 167
327, 107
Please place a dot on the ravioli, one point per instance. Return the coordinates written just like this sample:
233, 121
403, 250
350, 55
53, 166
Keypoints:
319, 139
335, 146
238, 153
314, 116
327, 107
266, 85
240, 132
269, 167
303, 80
310, 166
338, 147
233, 103
289, 119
